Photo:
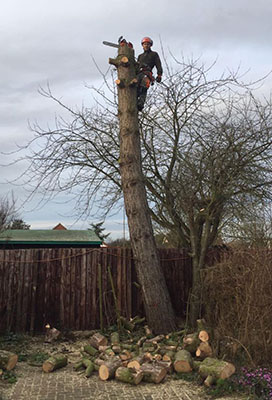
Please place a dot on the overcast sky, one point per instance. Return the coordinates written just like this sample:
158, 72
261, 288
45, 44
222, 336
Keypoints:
54, 41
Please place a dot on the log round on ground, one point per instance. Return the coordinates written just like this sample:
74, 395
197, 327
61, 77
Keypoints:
8, 360
107, 370
98, 340
153, 373
54, 362
129, 375
218, 369
183, 361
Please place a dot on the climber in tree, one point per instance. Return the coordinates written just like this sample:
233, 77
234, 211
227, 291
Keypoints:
146, 61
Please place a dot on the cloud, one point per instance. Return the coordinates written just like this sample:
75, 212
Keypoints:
54, 41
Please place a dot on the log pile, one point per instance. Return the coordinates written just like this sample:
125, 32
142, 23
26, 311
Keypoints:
150, 358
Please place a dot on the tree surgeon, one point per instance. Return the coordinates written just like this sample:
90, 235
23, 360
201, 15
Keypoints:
146, 62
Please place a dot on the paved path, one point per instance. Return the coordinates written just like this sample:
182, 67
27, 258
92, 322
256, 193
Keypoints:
66, 384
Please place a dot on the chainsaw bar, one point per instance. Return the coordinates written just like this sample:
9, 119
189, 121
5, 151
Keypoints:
111, 44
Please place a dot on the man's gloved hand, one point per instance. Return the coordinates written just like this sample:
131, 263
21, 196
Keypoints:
158, 79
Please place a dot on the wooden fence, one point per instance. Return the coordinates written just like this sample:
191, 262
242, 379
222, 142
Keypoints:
64, 287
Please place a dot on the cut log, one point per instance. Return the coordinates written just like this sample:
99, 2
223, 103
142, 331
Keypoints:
8, 360
51, 334
149, 347
136, 362
99, 361
218, 369
157, 357
137, 320
107, 370
191, 342
78, 366
115, 339
166, 364
116, 349
148, 357
153, 373
125, 355
98, 340
155, 339
183, 361
169, 355
141, 341
129, 375
209, 381
204, 350
129, 325
54, 362
89, 367
203, 336
90, 350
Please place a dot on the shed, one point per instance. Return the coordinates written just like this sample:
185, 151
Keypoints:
29, 239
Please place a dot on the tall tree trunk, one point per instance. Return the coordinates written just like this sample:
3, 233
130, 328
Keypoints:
158, 307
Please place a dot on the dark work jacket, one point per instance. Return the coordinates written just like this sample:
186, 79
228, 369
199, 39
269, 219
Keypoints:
152, 59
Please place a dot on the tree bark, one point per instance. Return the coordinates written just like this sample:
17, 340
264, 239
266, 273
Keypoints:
183, 361
218, 369
107, 370
153, 373
128, 375
54, 362
159, 312
98, 340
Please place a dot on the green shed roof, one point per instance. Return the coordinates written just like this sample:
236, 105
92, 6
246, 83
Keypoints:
49, 237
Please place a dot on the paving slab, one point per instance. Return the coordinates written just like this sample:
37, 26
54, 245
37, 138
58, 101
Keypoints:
66, 384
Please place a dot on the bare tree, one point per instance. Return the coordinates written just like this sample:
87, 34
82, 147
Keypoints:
7, 213
206, 155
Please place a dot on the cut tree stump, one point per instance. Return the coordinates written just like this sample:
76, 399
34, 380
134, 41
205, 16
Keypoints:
183, 361
8, 360
153, 373
107, 370
54, 362
217, 369
129, 375
98, 340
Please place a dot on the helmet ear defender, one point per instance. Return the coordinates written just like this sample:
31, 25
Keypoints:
148, 40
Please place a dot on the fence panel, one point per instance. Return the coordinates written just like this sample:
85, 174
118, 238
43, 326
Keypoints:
61, 287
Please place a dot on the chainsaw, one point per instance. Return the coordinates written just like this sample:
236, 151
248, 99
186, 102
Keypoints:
121, 42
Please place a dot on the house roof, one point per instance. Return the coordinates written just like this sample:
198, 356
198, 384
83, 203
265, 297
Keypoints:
56, 238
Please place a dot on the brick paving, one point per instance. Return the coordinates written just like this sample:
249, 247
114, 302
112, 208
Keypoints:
66, 384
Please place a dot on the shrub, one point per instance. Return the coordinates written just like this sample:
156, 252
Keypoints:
238, 304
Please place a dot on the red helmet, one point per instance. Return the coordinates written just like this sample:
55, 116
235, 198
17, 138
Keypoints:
148, 40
